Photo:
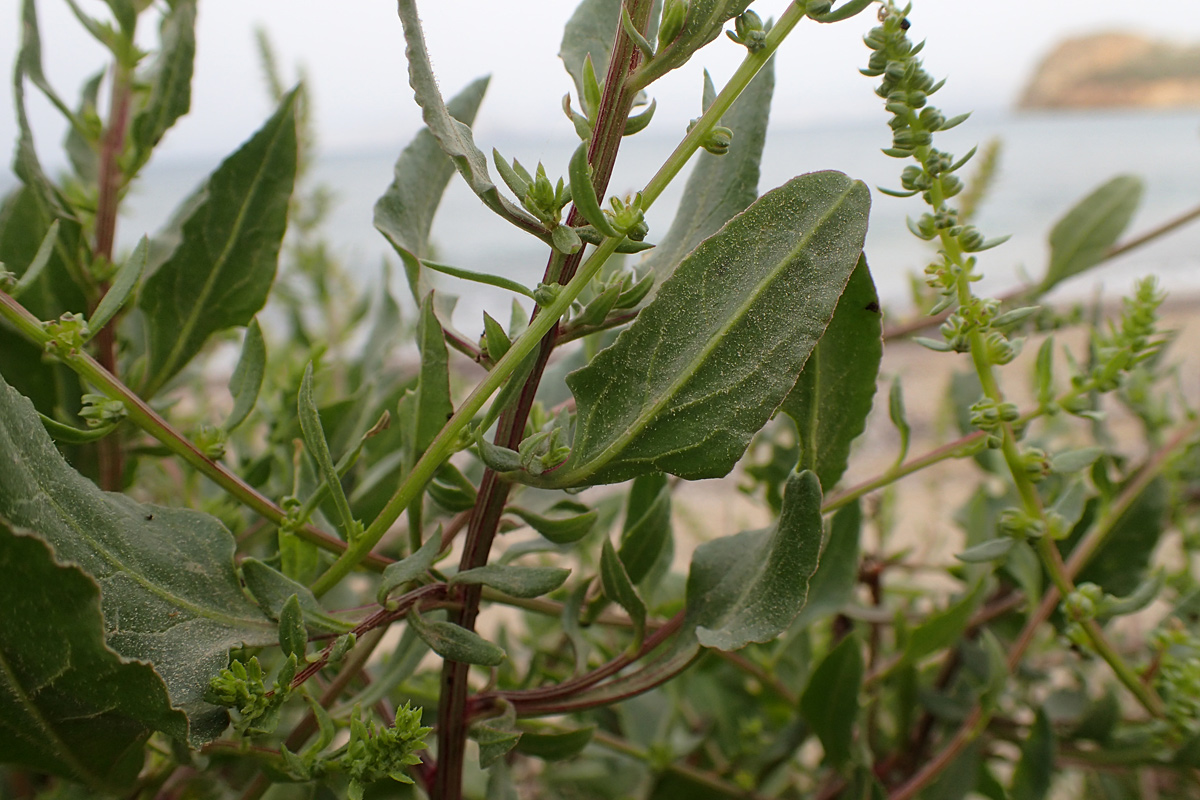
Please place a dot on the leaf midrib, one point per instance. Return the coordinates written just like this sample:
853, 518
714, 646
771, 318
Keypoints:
190, 320
644, 418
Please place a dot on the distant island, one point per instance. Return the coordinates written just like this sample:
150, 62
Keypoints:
1115, 70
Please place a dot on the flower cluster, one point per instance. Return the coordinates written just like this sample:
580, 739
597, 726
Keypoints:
242, 687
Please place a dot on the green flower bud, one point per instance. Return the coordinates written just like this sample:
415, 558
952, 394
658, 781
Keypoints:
718, 140
212, 440
68, 335
816, 8
1036, 464
100, 410
674, 13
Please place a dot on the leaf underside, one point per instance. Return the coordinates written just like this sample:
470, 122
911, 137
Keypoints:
706, 364
169, 591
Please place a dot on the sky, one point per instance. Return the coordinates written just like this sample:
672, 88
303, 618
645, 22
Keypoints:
352, 51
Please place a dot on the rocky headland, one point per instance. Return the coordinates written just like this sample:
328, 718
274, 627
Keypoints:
1115, 70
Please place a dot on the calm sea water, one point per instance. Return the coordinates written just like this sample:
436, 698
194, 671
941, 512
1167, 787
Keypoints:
1047, 163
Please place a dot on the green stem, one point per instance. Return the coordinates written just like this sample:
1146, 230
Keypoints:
448, 439
738, 82
149, 420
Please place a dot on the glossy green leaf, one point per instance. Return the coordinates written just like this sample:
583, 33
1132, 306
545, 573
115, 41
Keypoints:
830, 701
719, 187
271, 589
513, 580
572, 523
454, 137
247, 377
404, 214
169, 590
293, 634
556, 746
1082, 238
705, 365
833, 395
409, 569
944, 628
832, 585
170, 79
69, 705
226, 241
620, 589
647, 525
455, 643
1035, 771
318, 448
749, 587
122, 287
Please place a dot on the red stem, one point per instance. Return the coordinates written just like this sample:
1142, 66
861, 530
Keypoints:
493, 492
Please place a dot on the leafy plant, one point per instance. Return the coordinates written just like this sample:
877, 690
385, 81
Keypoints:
200, 587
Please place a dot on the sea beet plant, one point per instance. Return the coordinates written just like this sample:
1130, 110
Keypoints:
380, 570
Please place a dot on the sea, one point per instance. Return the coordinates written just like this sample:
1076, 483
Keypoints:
1048, 162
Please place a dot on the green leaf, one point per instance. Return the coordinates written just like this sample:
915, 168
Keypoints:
572, 527
513, 580
454, 137
704, 22
1075, 460
455, 643
832, 585
1119, 564
830, 701
34, 270
1082, 238
293, 635
899, 417
409, 569
749, 587
705, 365
1035, 771
247, 377
69, 705
271, 589
620, 589
719, 187
496, 736
556, 746
122, 287
318, 448
226, 241
429, 403
169, 588
943, 628
991, 550
170, 80
589, 31
647, 525
68, 434
833, 395
404, 214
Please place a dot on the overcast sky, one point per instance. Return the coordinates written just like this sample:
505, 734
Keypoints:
353, 52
